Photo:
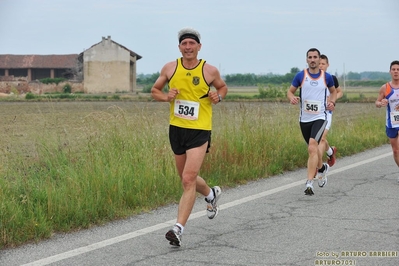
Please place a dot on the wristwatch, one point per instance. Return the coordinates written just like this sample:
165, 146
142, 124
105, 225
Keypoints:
220, 98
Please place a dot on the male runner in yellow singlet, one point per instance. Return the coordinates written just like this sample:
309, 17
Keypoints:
189, 80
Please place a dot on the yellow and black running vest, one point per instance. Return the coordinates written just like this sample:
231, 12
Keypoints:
192, 107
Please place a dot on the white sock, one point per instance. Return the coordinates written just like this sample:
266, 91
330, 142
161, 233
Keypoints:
330, 151
181, 227
211, 196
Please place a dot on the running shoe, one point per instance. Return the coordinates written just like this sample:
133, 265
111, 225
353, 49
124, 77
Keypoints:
322, 176
309, 188
331, 159
174, 236
212, 207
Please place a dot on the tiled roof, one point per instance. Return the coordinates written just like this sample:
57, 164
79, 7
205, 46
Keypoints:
130, 51
10, 61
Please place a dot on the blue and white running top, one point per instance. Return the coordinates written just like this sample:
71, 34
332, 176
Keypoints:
313, 94
392, 114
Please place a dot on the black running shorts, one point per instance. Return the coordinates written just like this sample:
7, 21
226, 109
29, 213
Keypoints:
183, 139
313, 130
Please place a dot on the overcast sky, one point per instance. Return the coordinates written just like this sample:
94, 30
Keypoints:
238, 36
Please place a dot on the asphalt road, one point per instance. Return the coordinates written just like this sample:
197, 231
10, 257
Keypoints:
354, 220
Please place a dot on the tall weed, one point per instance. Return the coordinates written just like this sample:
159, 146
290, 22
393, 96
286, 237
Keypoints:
66, 170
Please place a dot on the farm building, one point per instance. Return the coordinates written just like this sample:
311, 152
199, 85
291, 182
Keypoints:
34, 67
109, 67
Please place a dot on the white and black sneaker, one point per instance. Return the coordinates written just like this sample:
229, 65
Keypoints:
174, 236
212, 207
322, 176
309, 188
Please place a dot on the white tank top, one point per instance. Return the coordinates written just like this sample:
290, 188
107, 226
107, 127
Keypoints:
392, 113
313, 97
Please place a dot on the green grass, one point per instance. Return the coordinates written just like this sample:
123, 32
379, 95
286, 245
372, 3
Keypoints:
264, 92
351, 94
67, 166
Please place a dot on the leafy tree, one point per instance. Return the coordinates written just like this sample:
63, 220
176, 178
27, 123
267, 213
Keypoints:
294, 70
251, 79
353, 76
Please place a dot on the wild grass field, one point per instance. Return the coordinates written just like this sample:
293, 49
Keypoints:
71, 165
352, 93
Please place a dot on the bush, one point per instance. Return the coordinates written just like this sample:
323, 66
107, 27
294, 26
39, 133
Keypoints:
147, 88
29, 96
14, 90
67, 88
271, 91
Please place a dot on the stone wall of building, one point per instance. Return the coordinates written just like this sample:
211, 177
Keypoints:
20, 85
107, 68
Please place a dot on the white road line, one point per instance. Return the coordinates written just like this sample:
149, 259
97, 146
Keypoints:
147, 230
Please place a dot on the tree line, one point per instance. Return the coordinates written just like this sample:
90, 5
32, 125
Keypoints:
367, 79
